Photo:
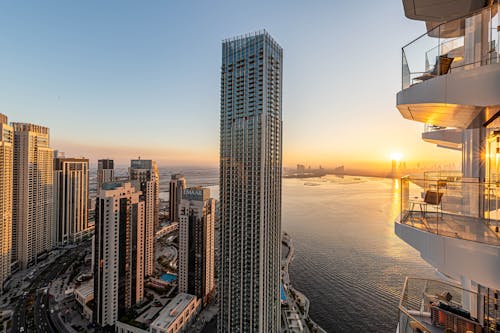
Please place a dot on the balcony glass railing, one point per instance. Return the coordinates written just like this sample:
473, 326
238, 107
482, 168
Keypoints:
460, 44
444, 203
436, 306
432, 128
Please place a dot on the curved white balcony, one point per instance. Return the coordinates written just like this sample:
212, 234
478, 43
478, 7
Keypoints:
454, 224
451, 138
452, 72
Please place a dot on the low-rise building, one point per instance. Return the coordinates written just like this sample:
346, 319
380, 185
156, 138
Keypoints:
84, 294
176, 315
121, 327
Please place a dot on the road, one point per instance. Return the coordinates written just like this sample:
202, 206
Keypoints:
32, 312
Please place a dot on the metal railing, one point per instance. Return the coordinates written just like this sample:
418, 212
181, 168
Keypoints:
446, 204
459, 44
432, 305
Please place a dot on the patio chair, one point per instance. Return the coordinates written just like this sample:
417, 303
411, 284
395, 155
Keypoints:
441, 67
431, 198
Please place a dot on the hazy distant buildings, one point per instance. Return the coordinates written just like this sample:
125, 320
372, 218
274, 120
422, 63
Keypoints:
33, 214
118, 252
72, 196
196, 243
144, 175
105, 172
250, 180
177, 185
6, 178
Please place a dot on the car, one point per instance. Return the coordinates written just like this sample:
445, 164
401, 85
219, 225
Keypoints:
21, 329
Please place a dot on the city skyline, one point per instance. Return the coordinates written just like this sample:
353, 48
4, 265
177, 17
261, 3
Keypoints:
113, 83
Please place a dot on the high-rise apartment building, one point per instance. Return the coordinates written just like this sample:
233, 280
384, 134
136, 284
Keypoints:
177, 186
250, 180
196, 243
105, 172
33, 214
71, 180
6, 159
144, 175
118, 252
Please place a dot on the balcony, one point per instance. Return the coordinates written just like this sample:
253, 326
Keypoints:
444, 137
444, 204
454, 224
461, 44
452, 72
433, 306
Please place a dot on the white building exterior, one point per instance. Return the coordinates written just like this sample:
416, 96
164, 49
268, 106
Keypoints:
450, 83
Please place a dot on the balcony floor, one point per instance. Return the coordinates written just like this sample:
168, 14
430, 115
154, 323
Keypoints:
455, 226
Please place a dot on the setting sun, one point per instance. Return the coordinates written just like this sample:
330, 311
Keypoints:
396, 156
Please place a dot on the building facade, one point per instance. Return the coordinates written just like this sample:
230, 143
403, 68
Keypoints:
33, 189
177, 185
450, 83
196, 243
250, 180
6, 179
105, 172
118, 252
144, 175
71, 180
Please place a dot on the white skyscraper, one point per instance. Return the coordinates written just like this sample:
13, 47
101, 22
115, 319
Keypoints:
118, 252
250, 180
6, 158
33, 214
144, 175
72, 196
196, 243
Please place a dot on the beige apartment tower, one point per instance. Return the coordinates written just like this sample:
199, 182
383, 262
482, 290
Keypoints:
145, 177
71, 180
6, 158
177, 185
33, 189
118, 252
105, 172
196, 243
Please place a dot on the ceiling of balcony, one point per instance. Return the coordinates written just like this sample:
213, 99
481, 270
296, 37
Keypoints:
440, 10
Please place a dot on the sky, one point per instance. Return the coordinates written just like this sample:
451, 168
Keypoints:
122, 79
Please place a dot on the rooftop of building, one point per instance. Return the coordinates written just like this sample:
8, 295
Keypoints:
141, 164
27, 127
114, 185
172, 310
86, 289
197, 193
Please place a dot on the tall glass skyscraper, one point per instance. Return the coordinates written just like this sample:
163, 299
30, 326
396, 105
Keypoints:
250, 179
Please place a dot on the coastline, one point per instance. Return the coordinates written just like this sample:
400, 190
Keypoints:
296, 310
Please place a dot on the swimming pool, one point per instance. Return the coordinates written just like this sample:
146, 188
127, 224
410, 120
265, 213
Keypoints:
168, 277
